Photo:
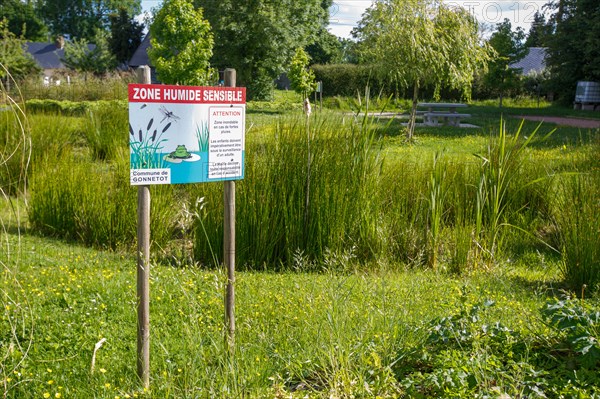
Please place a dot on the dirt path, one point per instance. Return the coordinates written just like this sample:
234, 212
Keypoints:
574, 122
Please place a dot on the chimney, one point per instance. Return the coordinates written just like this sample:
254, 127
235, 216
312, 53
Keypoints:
59, 42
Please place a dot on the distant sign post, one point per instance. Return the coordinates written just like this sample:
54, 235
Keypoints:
177, 135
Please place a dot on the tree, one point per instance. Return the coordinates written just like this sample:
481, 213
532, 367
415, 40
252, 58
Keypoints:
14, 60
301, 78
349, 50
573, 49
22, 20
181, 44
81, 18
258, 37
510, 48
326, 49
125, 35
422, 43
95, 58
539, 32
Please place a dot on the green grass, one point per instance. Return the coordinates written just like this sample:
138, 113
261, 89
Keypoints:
333, 334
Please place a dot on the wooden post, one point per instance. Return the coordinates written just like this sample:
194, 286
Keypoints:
229, 241
143, 268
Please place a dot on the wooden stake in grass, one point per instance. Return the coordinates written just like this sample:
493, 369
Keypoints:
143, 269
229, 242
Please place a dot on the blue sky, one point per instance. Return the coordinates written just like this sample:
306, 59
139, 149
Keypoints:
344, 14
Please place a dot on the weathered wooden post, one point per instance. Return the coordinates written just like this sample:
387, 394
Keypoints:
143, 268
229, 240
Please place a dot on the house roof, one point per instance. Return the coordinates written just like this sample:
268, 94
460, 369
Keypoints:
534, 61
47, 55
140, 57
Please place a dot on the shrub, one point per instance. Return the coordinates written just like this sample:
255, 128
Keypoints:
347, 79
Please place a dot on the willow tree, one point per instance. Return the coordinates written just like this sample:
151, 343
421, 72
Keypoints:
422, 43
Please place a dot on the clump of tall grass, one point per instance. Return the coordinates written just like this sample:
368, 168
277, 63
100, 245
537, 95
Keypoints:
437, 191
105, 130
499, 188
274, 220
78, 199
15, 149
580, 238
46, 136
576, 212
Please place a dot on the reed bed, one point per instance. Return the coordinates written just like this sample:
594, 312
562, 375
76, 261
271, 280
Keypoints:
319, 193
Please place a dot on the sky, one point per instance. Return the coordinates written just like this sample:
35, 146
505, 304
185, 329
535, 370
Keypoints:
344, 14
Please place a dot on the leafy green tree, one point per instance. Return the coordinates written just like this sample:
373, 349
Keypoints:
259, 37
326, 49
95, 58
421, 43
301, 77
14, 60
573, 48
125, 35
510, 48
539, 32
22, 20
349, 49
181, 44
81, 18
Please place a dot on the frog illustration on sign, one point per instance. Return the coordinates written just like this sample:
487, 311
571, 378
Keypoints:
181, 154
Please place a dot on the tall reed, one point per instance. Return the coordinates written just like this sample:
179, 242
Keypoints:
77, 199
105, 129
497, 188
437, 202
576, 211
273, 219
15, 147
578, 222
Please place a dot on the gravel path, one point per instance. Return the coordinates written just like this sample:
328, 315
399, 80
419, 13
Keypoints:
574, 122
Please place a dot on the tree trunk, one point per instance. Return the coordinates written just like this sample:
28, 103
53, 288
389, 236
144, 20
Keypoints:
410, 130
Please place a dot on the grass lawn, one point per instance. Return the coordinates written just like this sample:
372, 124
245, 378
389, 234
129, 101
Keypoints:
319, 334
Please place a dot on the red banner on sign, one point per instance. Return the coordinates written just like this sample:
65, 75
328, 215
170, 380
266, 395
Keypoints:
139, 93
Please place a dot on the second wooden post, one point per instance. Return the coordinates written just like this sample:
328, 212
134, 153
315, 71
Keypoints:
229, 241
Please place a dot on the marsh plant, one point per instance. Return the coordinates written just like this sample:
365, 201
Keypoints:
104, 130
577, 215
498, 188
272, 219
99, 211
436, 208
15, 146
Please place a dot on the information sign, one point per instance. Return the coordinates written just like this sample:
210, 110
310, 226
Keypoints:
185, 134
